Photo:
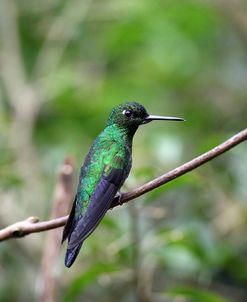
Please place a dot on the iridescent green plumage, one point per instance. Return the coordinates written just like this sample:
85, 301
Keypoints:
111, 150
104, 171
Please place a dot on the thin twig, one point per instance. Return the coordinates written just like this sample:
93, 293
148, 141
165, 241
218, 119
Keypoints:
29, 226
185, 168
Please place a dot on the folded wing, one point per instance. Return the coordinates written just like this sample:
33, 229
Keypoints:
100, 202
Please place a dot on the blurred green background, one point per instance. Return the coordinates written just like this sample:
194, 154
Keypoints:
64, 65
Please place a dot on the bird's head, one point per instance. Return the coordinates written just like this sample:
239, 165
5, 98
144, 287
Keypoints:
131, 115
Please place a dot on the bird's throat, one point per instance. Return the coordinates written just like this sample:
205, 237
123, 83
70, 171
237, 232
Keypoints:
121, 134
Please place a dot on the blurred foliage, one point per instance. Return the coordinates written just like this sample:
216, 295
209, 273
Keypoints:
64, 65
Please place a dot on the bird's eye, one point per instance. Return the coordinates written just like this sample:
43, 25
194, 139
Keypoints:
127, 113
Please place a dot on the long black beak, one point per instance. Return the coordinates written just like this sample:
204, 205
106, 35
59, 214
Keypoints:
150, 118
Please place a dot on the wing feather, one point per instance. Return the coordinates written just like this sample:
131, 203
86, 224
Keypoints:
79, 227
99, 204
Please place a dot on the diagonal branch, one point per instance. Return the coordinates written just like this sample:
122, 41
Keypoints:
31, 225
185, 168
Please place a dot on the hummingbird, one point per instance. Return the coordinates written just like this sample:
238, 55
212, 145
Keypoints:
104, 171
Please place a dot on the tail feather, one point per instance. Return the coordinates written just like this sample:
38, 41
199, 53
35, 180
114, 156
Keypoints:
71, 255
70, 223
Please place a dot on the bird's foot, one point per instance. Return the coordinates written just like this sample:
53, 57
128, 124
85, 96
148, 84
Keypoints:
119, 196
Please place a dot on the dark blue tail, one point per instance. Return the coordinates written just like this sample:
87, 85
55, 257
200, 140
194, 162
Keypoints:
71, 255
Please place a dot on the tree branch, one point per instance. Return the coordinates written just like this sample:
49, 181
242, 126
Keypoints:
32, 224
63, 194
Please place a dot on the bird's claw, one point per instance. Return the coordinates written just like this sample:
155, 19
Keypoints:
119, 196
